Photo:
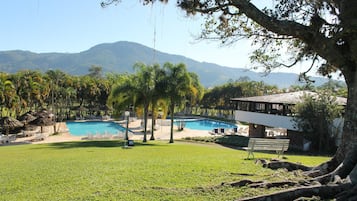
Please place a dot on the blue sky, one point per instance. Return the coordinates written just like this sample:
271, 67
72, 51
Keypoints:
76, 25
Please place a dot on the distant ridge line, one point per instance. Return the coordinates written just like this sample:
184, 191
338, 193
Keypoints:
119, 57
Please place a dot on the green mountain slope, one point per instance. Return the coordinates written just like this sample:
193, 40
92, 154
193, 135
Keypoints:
119, 57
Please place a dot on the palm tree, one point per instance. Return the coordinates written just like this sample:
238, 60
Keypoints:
118, 99
196, 91
137, 90
177, 82
96, 71
145, 85
28, 85
70, 92
11, 99
20, 83
3, 78
104, 86
157, 95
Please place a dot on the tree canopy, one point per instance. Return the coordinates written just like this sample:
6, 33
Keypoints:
315, 117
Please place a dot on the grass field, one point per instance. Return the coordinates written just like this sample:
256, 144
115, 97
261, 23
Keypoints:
103, 170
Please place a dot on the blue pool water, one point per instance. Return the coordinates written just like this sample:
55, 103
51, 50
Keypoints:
101, 127
205, 124
93, 127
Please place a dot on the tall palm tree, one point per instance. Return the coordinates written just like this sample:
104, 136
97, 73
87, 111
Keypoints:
177, 81
196, 91
146, 85
3, 78
11, 99
138, 89
118, 100
123, 93
157, 94
20, 83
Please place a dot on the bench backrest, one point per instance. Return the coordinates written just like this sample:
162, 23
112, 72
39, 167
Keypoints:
268, 144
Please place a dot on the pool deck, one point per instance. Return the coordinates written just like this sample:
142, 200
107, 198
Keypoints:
161, 133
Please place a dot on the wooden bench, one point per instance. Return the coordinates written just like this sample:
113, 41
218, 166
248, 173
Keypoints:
264, 144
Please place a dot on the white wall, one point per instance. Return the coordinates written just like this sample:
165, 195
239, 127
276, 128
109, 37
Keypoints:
269, 120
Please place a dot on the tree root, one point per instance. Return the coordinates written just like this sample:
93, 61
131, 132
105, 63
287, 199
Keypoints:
323, 191
262, 184
276, 164
348, 195
339, 184
330, 180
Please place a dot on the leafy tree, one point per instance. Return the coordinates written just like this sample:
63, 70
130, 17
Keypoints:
87, 89
116, 100
321, 31
196, 91
96, 72
3, 78
177, 82
145, 81
219, 96
123, 93
139, 90
157, 95
305, 87
104, 87
29, 90
315, 116
338, 88
56, 79
29, 87
11, 99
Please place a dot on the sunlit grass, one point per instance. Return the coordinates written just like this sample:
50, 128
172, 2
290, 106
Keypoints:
153, 171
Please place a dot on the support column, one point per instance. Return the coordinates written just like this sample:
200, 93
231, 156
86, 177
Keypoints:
256, 130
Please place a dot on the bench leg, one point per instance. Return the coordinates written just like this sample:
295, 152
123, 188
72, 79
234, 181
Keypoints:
280, 153
250, 152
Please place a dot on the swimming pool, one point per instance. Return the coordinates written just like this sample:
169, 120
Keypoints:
205, 124
93, 127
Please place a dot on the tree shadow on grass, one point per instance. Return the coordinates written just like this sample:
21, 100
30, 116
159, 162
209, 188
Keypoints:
97, 144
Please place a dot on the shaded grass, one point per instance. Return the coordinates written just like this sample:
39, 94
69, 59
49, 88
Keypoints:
102, 170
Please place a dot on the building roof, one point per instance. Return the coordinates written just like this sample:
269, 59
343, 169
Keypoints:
284, 98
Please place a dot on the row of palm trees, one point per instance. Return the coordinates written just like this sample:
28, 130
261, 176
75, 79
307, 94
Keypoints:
155, 87
33, 90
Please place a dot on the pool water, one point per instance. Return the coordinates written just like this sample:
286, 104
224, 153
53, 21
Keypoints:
205, 124
93, 127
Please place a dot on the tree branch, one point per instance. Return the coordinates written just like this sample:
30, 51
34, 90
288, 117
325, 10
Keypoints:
310, 35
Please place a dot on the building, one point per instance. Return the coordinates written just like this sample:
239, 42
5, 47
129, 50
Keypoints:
272, 115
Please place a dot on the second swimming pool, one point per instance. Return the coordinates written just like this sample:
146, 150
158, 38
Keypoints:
205, 124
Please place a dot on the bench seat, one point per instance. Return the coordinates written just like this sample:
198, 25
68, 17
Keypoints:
264, 144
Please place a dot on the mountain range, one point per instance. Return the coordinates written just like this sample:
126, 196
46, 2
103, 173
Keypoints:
120, 57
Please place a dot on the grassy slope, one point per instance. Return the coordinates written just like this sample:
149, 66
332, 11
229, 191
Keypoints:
105, 171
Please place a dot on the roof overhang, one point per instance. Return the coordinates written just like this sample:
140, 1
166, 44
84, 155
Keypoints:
291, 98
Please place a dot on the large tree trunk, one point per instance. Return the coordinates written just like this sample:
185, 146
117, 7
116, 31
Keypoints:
348, 145
349, 136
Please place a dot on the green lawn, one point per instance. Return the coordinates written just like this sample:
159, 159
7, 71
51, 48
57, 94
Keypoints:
154, 171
